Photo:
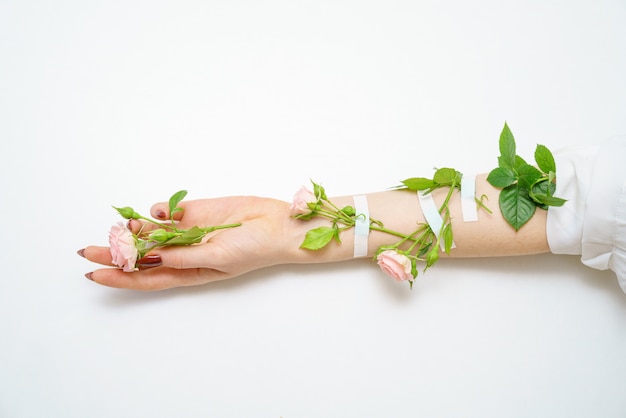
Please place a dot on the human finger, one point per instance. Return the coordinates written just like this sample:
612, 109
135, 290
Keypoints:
138, 226
161, 211
207, 255
158, 278
100, 255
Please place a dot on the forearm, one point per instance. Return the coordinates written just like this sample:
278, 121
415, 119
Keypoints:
399, 210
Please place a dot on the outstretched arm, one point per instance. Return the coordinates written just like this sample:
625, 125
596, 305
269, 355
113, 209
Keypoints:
269, 235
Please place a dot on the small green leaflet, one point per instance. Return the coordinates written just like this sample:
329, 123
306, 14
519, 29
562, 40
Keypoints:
319, 192
418, 183
527, 175
443, 177
502, 177
188, 237
507, 148
318, 238
175, 200
544, 159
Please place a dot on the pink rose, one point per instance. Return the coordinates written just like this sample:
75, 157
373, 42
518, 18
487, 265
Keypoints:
123, 250
395, 265
301, 201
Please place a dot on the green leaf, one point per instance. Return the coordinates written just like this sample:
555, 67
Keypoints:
519, 162
191, 236
348, 210
548, 200
425, 247
446, 177
516, 206
542, 191
305, 216
175, 200
527, 175
502, 177
525, 186
507, 147
503, 163
319, 192
544, 159
418, 183
318, 238
544, 187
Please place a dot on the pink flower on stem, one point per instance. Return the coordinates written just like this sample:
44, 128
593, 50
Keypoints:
301, 200
123, 249
395, 265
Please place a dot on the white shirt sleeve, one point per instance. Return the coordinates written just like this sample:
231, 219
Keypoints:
592, 223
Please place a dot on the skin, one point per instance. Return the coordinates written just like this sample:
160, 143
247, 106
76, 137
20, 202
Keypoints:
269, 236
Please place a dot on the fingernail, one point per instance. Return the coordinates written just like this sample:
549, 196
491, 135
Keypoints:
160, 214
81, 252
89, 276
150, 261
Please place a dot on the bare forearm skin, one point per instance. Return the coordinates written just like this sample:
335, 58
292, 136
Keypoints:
399, 210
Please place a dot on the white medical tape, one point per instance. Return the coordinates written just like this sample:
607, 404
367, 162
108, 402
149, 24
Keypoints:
361, 225
431, 213
468, 198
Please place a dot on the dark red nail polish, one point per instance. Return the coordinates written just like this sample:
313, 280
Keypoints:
89, 276
150, 261
160, 214
81, 252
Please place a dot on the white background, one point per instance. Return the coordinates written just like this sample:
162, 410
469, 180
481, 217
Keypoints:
125, 102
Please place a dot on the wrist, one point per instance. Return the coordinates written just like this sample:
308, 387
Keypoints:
296, 231
397, 211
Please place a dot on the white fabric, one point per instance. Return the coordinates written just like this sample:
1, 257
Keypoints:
593, 221
565, 223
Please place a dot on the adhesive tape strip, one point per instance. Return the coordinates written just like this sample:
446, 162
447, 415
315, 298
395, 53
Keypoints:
431, 213
468, 198
361, 225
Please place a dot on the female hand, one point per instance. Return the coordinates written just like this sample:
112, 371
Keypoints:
264, 238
